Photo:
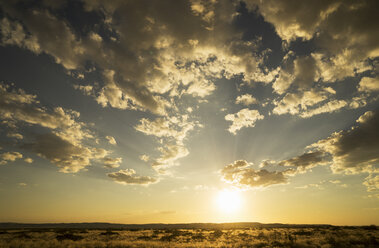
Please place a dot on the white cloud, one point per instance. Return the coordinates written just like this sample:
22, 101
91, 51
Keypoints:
63, 144
328, 107
246, 100
243, 118
144, 157
111, 140
372, 183
112, 162
164, 55
15, 135
172, 131
129, 176
28, 160
369, 84
9, 157
344, 44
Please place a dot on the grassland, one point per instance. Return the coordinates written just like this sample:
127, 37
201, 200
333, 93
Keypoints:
324, 237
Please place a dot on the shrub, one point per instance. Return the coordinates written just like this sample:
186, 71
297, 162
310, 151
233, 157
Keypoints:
68, 236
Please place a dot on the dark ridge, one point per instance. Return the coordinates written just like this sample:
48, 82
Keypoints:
100, 225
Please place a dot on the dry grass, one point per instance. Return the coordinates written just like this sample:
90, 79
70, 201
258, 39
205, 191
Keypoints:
255, 237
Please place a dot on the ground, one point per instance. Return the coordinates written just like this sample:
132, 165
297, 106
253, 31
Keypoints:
324, 237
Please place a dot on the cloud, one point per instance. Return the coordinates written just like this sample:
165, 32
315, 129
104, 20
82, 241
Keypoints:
369, 84
240, 175
304, 162
343, 43
355, 150
172, 131
300, 73
144, 157
112, 162
62, 139
291, 19
128, 176
314, 102
28, 160
111, 140
294, 103
18, 106
9, 157
169, 154
328, 107
246, 100
167, 55
351, 151
243, 118
69, 157
86, 89
165, 127
15, 135
372, 183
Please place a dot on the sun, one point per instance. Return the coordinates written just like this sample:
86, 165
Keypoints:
228, 201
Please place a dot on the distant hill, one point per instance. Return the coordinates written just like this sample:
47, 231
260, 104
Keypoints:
99, 225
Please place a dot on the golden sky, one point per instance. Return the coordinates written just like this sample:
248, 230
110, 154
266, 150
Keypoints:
189, 111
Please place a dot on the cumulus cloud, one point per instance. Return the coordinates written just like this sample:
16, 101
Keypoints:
111, 140
144, 157
313, 102
304, 162
187, 48
175, 127
129, 176
300, 73
294, 103
18, 106
344, 43
243, 118
372, 183
349, 151
9, 157
241, 175
172, 131
246, 100
69, 157
86, 89
62, 140
169, 154
291, 19
112, 162
369, 84
15, 135
354, 150
328, 107
28, 160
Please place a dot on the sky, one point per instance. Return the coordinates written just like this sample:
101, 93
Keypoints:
181, 111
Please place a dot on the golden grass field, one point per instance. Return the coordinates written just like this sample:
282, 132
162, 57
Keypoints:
324, 237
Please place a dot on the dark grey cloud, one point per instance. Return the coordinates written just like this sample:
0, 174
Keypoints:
354, 150
64, 141
304, 162
240, 175
69, 157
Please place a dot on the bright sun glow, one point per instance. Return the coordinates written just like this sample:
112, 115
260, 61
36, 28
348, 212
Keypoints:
229, 201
